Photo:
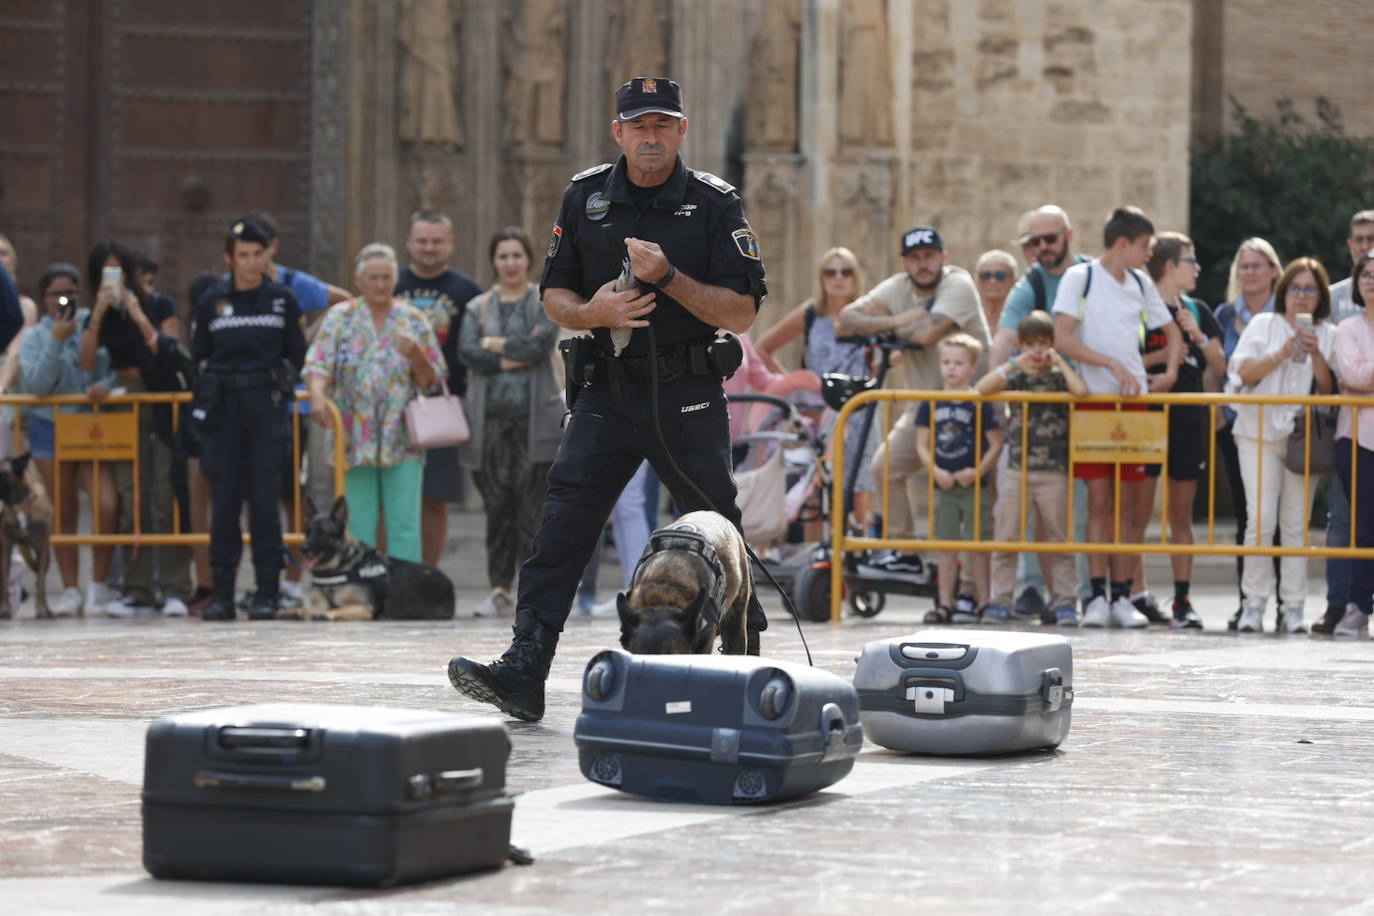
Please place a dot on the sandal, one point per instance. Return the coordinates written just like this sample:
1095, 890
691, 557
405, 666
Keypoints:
941, 614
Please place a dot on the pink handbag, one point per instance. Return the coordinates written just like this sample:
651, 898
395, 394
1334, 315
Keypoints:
436, 422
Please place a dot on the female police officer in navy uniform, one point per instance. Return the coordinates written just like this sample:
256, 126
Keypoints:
247, 340
697, 267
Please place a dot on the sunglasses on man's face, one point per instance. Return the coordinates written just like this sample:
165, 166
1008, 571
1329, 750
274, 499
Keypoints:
1049, 238
838, 271
988, 276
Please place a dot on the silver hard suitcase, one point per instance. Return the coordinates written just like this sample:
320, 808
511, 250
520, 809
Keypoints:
966, 691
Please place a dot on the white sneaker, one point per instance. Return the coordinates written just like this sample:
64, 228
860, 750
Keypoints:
1096, 613
1126, 615
1354, 625
498, 604
68, 604
1290, 620
174, 607
1251, 619
97, 596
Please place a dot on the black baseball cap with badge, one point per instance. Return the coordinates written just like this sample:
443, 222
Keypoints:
921, 237
648, 95
246, 229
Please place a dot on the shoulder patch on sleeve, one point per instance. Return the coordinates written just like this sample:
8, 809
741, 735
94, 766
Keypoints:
594, 170
747, 243
719, 184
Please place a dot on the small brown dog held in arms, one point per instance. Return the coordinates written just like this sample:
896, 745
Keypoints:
692, 584
25, 522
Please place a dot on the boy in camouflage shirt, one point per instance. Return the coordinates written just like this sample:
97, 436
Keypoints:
1038, 368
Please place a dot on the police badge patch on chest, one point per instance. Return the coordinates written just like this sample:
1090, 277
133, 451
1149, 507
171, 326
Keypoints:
747, 243
597, 206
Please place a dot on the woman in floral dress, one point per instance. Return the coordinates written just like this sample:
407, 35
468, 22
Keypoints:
374, 355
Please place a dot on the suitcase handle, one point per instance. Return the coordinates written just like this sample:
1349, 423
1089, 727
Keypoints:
423, 785
208, 779
264, 739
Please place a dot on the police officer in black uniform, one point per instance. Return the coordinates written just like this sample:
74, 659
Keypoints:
696, 268
247, 341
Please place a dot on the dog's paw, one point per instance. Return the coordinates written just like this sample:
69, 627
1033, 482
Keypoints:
290, 613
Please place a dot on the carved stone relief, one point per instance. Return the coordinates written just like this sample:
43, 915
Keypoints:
536, 57
429, 114
772, 99
865, 76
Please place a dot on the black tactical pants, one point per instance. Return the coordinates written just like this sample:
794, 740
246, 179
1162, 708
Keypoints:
243, 455
603, 444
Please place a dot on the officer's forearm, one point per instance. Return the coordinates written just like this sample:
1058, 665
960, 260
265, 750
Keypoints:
565, 307
714, 305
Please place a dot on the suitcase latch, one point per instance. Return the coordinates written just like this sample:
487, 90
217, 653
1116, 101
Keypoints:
929, 698
1052, 689
725, 745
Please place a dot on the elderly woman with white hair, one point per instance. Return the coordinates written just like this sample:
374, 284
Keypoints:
374, 355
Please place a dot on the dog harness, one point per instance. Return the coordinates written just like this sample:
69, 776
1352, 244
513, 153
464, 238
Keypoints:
372, 571
689, 540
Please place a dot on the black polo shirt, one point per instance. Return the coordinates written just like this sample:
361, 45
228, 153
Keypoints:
694, 216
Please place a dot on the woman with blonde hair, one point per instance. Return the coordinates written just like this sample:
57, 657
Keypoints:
1255, 271
841, 281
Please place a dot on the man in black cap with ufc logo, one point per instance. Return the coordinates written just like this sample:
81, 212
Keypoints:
690, 265
247, 339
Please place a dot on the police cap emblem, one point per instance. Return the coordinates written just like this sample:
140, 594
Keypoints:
747, 243
597, 206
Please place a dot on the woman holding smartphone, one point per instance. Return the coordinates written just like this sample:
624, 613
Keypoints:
50, 360
139, 331
1280, 353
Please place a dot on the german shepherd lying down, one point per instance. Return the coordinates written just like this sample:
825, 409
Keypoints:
26, 516
351, 581
668, 609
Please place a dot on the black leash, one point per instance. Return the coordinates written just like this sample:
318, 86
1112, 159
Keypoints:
662, 444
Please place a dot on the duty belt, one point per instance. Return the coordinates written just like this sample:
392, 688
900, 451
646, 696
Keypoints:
237, 381
674, 362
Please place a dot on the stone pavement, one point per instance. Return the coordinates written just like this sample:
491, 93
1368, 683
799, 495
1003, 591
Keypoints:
1204, 771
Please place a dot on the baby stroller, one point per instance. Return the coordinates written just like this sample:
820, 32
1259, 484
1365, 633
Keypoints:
784, 483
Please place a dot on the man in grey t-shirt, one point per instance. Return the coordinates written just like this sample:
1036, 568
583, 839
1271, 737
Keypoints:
922, 303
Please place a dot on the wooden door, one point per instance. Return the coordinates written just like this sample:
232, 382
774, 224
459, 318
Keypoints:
153, 123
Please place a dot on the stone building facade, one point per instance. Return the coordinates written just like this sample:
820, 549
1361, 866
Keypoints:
841, 121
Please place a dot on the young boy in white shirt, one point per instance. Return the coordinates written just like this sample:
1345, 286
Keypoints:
1100, 312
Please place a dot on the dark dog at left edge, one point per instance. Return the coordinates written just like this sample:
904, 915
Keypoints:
351, 581
26, 516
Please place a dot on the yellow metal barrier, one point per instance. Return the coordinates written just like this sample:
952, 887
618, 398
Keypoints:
841, 542
110, 433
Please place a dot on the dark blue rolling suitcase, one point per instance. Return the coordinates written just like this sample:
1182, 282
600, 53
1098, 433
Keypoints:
714, 729
321, 794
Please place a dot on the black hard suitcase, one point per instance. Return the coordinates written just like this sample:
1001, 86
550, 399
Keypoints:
714, 729
320, 794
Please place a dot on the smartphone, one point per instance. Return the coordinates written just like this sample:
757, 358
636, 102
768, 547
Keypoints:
1303, 321
113, 277
66, 308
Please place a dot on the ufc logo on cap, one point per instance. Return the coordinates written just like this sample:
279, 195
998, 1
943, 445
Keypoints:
917, 237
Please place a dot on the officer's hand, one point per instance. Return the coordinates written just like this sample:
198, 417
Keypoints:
647, 260
610, 309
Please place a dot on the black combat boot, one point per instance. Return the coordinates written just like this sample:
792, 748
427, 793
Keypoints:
514, 683
221, 607
264, 606
751, 642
